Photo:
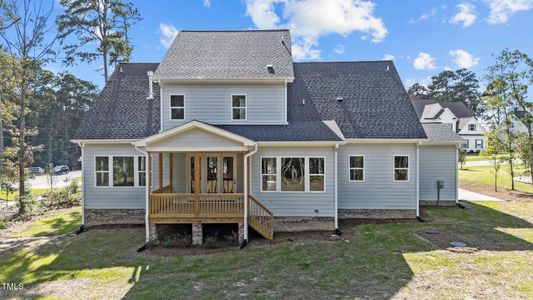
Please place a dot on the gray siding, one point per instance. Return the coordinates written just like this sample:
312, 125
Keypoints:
195, 138
109, 197
296, 203
212, 103
438, 163
378, 191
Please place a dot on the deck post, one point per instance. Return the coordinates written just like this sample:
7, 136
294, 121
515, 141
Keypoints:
171, 171
196, 183
160, 170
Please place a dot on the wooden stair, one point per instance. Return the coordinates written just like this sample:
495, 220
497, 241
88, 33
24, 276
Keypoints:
260, 218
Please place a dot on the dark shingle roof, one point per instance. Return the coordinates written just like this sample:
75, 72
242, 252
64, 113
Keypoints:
228, 55
459, 109
295, 131
375, 103
122, 111
438, 132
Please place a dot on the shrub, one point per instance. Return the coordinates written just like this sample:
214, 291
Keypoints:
211, 242
67, 197
32, 205
176, 241
232, 238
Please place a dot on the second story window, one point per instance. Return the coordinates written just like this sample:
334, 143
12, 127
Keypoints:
471, 127
238, 104
177, 107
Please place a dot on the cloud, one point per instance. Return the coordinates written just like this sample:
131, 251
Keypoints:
339, 49
388, 57
305, 52
424, 61
463, 59
168, 33
502, 10
311, 19
466, 16
425, 16
206, 3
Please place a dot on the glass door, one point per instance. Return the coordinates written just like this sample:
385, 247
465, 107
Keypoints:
229, 179
212, 175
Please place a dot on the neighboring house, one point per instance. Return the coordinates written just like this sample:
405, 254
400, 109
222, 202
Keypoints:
457, 117
519, 121
227, 129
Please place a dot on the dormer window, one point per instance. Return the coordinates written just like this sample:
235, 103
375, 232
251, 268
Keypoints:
177, 107
238, 105
471, 127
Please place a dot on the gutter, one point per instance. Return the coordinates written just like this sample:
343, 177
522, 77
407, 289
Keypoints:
418, 181
337, 229
147, 196
245, 223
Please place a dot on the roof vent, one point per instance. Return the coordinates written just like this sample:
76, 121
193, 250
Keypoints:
150, 85
303, 101
120, 69
270, 69
339, 99
388, 68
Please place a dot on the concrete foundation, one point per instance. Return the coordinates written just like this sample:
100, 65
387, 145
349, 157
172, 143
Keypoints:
197, 234
113, 216
290, 224
377, 213
434, 203
241, 232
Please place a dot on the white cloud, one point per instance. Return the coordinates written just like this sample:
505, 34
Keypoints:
311, 19
425, 16
168, 33
388, 57
463, 59
502, 10
339, 49
305, 52
466, 16
424, 61
206, 3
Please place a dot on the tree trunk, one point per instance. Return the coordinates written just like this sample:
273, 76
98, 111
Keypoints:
22, 150
529, 133
104, 56
495, 180
1, 146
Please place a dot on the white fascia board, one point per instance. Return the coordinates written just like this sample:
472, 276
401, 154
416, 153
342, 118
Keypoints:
436, 143
229, 80
101, 142
298, 143
384, 141
196, 149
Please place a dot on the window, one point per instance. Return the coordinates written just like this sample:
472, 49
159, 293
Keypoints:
102, 170
471, 127
401, 168
316, 174
123, 173
449, 125
293, 174
141, 170
177, 107
479, 144
357, 168
466, 144
268, 174
238, 104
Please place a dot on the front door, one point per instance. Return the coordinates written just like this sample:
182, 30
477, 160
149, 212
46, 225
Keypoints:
217, 173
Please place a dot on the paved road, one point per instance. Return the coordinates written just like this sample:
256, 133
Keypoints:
473, 196
43, 181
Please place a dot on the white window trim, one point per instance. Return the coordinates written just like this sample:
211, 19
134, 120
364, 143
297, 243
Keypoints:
307, 187
110, 168
350, 168
137, 174
265, 174
472, 125
308, 179
240, 107
408, 168
475, 143
171, 107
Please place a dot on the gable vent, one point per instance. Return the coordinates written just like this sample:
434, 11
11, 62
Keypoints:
270, 69
339, 99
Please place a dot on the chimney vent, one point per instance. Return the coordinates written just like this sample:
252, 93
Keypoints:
339, 99
150, 85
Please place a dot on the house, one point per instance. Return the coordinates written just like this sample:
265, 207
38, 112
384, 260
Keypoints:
228, 129
457, 117
518, 123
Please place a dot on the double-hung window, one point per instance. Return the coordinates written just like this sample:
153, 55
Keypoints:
177, 107
123, 171
401, 168
293, 174
479, 144
357, 168
102, 170
268, 174
238, 107
316, 174
471, 127
141, 170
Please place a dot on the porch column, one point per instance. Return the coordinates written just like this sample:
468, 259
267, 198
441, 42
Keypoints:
160, 170
148, 224
196, 183
171, 172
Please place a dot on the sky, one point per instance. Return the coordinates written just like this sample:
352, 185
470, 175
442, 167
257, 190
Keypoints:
422, 37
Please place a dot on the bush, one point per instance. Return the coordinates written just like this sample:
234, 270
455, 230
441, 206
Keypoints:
232, 238
176, 241
211, 242
32, 206
67, 197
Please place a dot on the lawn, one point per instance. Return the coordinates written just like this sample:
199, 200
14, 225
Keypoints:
66, 221
375, 261
13, 196
477, 157
485, 175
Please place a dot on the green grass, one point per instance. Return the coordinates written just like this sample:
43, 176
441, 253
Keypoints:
377, 261
65, 222
14, 196
485, 175
476, 157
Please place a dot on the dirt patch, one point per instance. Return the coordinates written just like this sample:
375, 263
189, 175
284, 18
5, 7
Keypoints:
443, 239
502, 193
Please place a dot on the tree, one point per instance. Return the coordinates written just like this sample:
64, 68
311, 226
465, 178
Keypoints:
495, 146
29, 41
102, 22
461, 157
523, 152
460, 85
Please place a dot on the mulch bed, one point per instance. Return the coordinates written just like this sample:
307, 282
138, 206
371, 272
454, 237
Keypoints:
502, 193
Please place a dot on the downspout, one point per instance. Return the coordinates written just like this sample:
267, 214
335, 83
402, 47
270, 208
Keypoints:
82, 227
457, 178
245, 223
337, 229
146, 204
418, 182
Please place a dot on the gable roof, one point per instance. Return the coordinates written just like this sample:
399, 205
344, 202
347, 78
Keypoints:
458, 108
122, 111
218, 55
438, 132
374, 101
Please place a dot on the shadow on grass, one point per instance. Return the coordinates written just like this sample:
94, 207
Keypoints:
371, 264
